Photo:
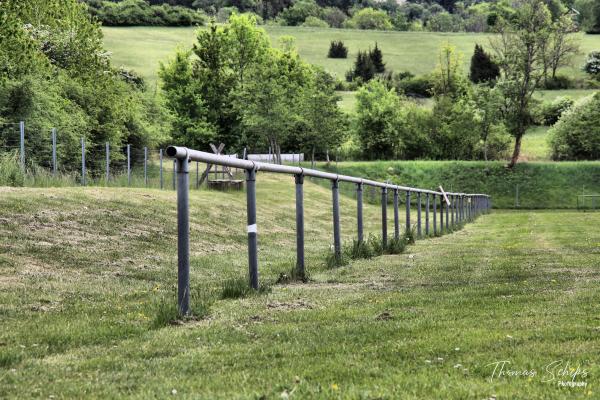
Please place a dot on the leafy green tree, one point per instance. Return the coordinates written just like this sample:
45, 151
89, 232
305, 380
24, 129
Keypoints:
369, 18
483, 68
299, 11
378, 121
576, 136
487, 104
447, 77
324, 123
520, 53
559, 48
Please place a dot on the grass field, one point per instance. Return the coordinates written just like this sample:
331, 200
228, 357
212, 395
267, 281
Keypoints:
540, 184
87, 274
141, 48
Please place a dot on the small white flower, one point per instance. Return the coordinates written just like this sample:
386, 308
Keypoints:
428, 361
174, 392
440, 359
509, 337
456, 348
458, 366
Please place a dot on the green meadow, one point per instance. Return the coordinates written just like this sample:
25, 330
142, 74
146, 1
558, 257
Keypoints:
142, 48
88, 278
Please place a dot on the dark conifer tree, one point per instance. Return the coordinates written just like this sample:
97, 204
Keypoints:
483, 68
363, 67
377, 58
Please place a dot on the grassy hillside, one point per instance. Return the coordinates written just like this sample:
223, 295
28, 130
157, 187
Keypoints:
87, 277
540, 184
141, 48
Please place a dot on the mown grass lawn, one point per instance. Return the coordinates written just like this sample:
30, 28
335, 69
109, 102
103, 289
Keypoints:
86, 273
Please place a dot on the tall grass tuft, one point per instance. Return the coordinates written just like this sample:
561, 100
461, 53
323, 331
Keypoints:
11, 173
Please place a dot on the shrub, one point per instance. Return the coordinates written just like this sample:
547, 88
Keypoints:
337, 49
300, 11
559, 82
314, 22
364, 69
369, 18
139, 12
592, 64
419, 86
334, 17
576, 135
549, 113
483, 69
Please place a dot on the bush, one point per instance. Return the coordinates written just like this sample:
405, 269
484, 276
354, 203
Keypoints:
300, 11
559, 82
576, 135
314, 22
550, 112
369, 18
419, 86
334, 17
10, 170
592, 64
139, 12
337, 49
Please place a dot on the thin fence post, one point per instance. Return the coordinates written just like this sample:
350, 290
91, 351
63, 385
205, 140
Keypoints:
447, 216
129, 165
435, 214
160, 152
82, 161
408, 212
146, 166
252, 231
384, 217
452, 207
337, 241
427, 214
396, 216
183, 236
359, 211
299, 178
107, 161
442, 214
419, 214
22, 143
54, 166
197, 175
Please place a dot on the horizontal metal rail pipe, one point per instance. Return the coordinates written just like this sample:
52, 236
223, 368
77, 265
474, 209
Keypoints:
211, 158
183, 156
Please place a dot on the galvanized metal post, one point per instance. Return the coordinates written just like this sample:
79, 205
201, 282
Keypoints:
337, 241
174, 168
408, 212
82, 161
427, 206
300, 225
359, 211
183, 236
441, 214
129, 166
146, 166
419, 214
107, 145
396, 216
22, 136
252, 231
434, 214
447, 219
452, 207
197, 175
384, 217
160, 152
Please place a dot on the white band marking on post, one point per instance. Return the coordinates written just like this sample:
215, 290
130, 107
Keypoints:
252, 228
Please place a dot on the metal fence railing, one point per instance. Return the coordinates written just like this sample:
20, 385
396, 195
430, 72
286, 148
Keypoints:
454, 208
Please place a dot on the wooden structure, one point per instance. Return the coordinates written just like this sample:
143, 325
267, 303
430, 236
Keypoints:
223, 179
